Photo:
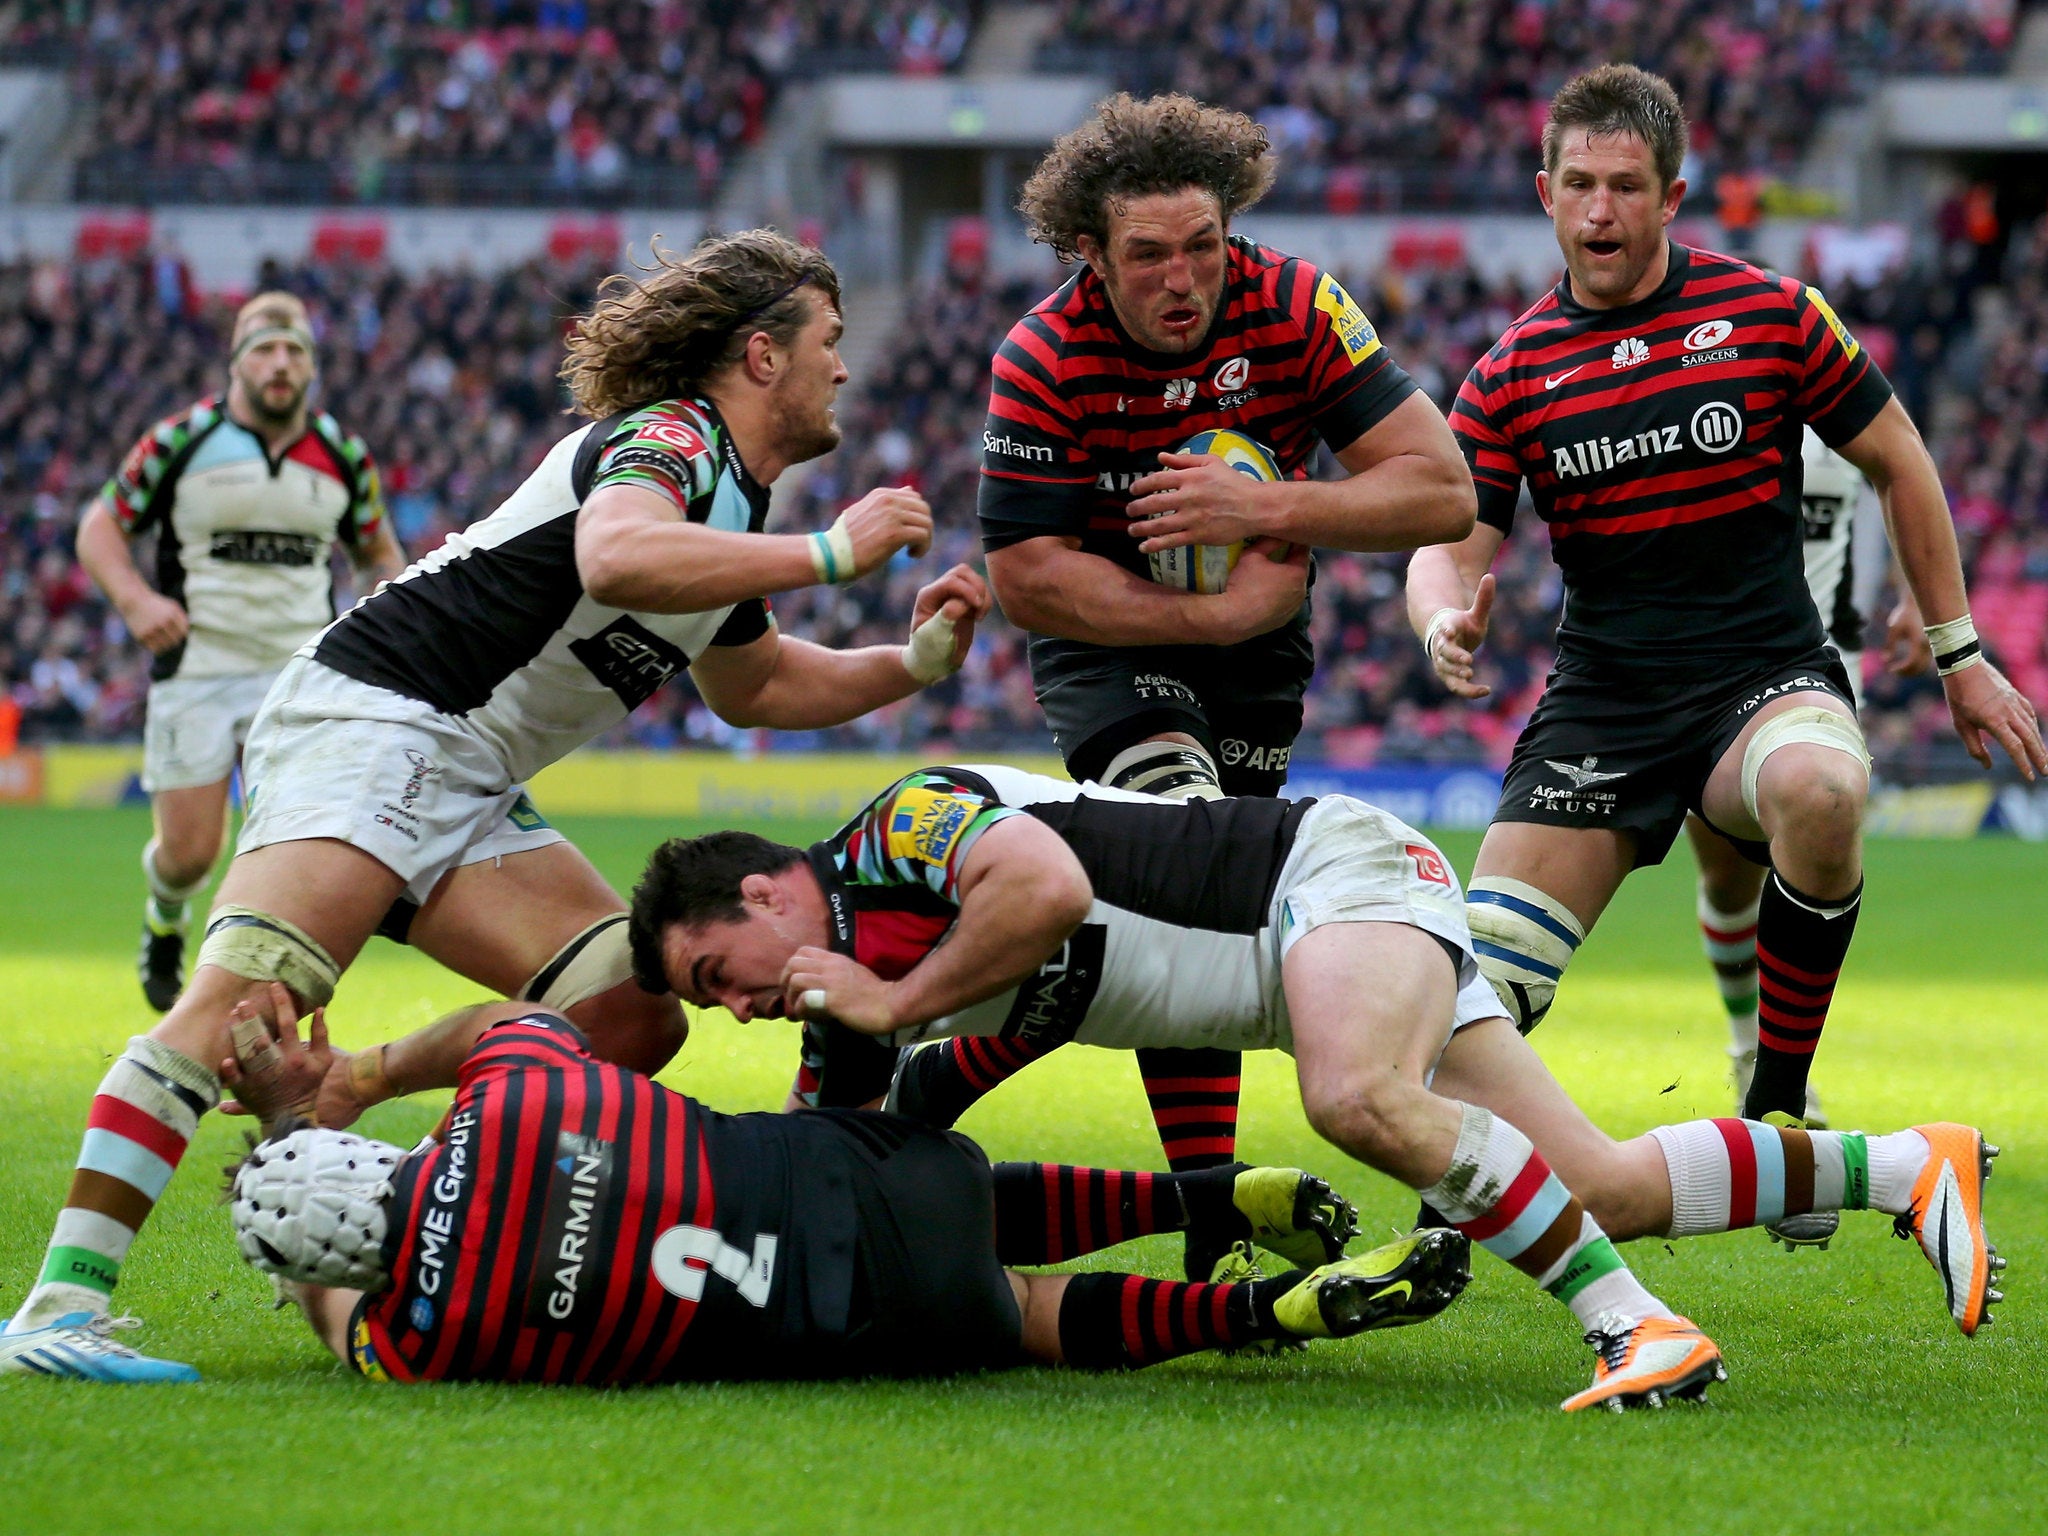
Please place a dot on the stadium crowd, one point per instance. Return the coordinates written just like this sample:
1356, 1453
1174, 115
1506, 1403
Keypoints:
1440, 102
450, 100
450, 377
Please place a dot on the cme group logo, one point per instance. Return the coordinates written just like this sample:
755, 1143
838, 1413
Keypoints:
1716, 427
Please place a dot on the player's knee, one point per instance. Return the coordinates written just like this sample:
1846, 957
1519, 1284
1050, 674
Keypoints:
1174, 770
1819, 774
1361, 1111
1524, 939
260, 946
631, 1028
182, 856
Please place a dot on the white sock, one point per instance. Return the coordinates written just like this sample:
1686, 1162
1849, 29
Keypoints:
1895, 1164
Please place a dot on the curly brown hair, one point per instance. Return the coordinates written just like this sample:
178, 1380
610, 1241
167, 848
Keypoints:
1131, 148
663, 336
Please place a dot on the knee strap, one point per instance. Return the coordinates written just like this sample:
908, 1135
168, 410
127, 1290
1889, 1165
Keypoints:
1808, 723
264, 947
1173, 770
1524, 939
596, 960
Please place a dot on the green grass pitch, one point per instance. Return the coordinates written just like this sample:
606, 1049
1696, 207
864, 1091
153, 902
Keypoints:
1853, 1404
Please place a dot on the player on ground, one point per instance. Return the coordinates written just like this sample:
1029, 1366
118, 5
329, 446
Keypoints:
574, 1222
387, 763
246, 495
1730, 886
992, 907
1654, 403
1174, 327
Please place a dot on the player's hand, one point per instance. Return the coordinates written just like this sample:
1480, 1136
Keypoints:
1455, 640
1267, 587
963, 599
1982, 703
1906, 651
885, 520
1195, 499
157, 621
272, 1072
820, 984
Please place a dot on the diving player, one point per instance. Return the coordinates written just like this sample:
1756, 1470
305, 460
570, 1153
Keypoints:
1173, 327
1654, 402
246, 495
388, 761
985, 907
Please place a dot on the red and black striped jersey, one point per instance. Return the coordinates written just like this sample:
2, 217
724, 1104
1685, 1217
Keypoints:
576, 1222
1661, 442
1078, 411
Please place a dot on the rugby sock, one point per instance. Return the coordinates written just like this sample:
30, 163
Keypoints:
1740, 1173
1729, 939
142, 1118
1114, 1322
1194, 1104
1801, 942
939, 1083
1047, 1213
1500, 1193
167, 909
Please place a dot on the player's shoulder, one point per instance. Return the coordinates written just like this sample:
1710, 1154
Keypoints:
1715, 276
186, 423
537, 1038
1533, 328
1070, 313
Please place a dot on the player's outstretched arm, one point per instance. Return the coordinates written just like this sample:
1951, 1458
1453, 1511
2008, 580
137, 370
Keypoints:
158, 622
1051, 586
1450, 602
1023, 893
380, 558
1981, 702
793, 685
635, 550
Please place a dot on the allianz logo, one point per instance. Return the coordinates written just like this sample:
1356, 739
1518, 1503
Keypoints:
1716, 427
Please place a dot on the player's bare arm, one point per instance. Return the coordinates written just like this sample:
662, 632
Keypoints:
793, 685
1450, 600
635, 550
380, 558
1408, 486
156, 621
1982, 703
1051, 586
1023, 893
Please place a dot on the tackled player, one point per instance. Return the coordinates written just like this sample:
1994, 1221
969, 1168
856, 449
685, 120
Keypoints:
386, 765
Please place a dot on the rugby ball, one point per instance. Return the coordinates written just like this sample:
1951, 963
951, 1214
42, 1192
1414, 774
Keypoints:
1206, 567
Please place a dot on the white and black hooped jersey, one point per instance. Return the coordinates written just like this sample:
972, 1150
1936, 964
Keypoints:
1828, 503
495, 626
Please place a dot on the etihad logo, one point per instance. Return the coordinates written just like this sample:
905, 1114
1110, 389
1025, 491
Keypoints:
1582, 775
1629, 351
1011, 448
1180, 394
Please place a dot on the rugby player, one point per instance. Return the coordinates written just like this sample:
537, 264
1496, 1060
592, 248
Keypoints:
246, 495
386, 765
574, 1222
1654, 403
1173, 327
1730, 886
990, 906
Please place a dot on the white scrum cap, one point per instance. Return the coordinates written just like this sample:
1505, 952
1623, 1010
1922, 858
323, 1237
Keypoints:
311, 1206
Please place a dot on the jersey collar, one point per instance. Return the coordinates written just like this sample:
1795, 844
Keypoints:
721, 436
1678, 268
838, 910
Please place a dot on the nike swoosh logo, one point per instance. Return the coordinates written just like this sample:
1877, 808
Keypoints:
1557, 379
1405, 1289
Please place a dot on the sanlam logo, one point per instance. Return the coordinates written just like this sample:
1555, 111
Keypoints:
1009, 447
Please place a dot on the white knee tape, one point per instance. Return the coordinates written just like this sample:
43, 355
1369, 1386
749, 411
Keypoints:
1173, 770
263, 947
596, 960
1808, 723
1524, 940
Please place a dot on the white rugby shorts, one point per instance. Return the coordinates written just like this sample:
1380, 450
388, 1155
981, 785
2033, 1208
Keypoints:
329, 756
1354, 863
193, 727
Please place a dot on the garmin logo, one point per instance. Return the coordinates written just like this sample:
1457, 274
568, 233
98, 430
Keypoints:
1011, 448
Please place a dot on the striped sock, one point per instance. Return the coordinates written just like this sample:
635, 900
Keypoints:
1114, 1322
168, 906
1801, 942
940, 1083
1729, 939
1194, 1104
1727, 1174
1500, 1193
1047, 1213
142, 1119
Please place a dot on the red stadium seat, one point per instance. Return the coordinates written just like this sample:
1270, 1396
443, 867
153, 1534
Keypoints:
120, 235
350, 240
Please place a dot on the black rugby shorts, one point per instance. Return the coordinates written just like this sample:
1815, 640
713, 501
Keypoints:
1635, 755
1246, 722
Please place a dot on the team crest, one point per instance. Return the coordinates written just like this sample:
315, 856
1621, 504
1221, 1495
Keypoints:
1582, 775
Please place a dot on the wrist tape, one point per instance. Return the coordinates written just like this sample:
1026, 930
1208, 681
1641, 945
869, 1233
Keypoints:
1954, 644
832, 554
1438, 621
929, 655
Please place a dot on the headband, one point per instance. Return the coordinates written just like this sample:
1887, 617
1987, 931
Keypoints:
262, 334
761, 309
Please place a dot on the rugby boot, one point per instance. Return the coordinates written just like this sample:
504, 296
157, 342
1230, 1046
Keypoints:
161, 965
1295, 1215
1239, 1265
1947, 1216
80, 1347
1647, 1364
1406, 1281
1809, 1229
